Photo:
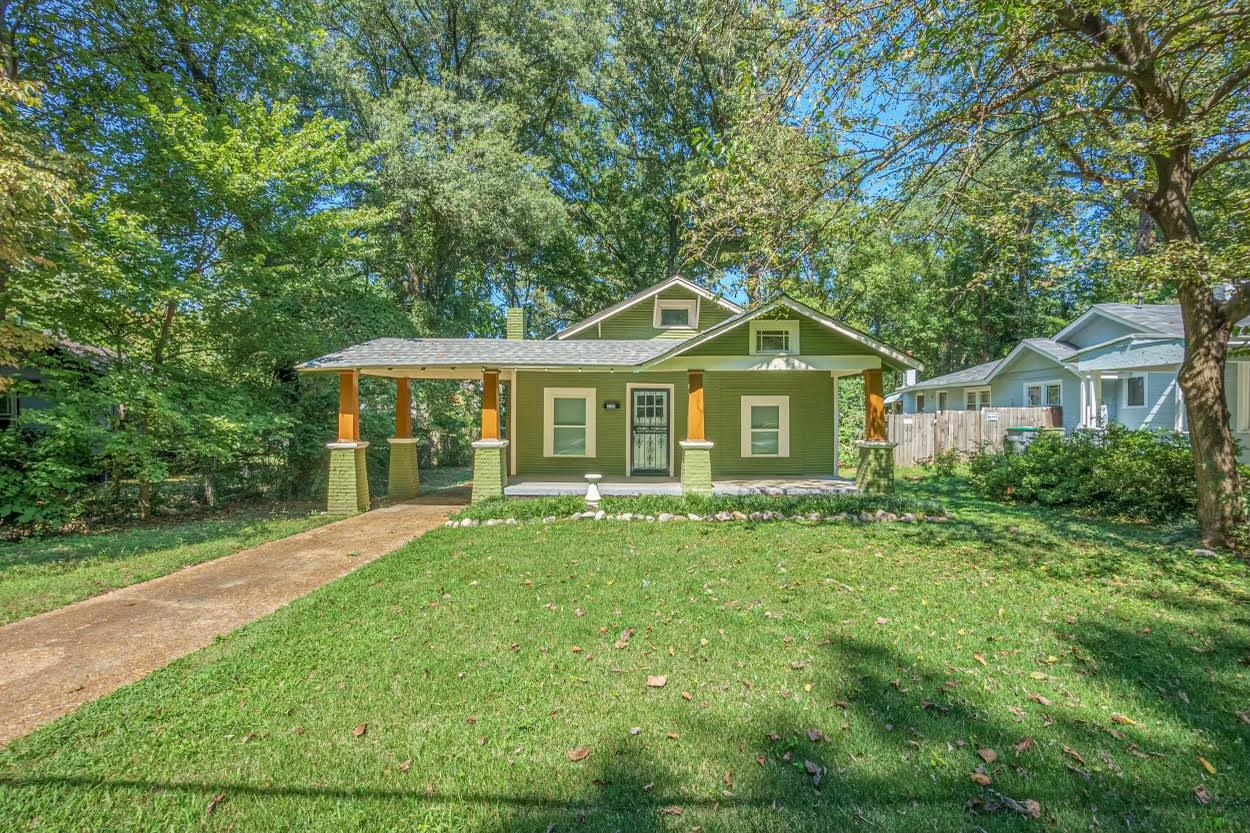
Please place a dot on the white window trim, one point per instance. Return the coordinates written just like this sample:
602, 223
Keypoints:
790, 326
1043, 385
783, 422
1145, 392
981, 394
549, 411
691, 306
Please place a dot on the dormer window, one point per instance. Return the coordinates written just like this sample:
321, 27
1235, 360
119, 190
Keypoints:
774, 338
676, 314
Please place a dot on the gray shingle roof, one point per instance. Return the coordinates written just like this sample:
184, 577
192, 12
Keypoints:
489, 352
1152, 318
968, 376
1057, 350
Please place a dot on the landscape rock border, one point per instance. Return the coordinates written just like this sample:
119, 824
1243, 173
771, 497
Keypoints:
880, 516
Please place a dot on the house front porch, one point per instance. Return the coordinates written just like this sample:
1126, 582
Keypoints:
550, 486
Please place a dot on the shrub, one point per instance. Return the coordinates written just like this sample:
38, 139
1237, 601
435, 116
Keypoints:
1139, 474
943, 464
524, 509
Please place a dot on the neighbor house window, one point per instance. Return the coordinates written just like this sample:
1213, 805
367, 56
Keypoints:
1135, 392
774, 337
8, 410
975, 400
920, 403
676, 314
765, 426
941, 400
1043, 394
568, 422
1242, 415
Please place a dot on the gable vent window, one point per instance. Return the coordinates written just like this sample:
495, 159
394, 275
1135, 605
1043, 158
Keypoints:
775, 338
676, 314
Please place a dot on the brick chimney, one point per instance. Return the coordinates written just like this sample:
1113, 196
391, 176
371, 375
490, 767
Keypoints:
516, 324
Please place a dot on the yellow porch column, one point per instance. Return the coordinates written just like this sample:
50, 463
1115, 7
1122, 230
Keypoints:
875, 472
490, 453
348, 490
696, 451
403, 478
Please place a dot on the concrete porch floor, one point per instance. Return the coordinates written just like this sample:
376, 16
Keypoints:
620, 486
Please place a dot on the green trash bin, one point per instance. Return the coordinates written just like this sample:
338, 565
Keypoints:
1019, 437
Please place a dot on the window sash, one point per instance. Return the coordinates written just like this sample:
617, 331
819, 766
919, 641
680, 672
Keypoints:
1135, 385
1057, 390
772, 341
569, 422
765, 426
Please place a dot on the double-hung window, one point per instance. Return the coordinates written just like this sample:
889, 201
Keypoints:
976, 399
1043, 394
1135, 391
765, 426
568, 422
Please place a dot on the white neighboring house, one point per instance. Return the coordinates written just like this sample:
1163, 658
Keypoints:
1116, 363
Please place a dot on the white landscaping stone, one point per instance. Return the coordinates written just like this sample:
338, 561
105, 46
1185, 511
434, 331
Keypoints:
664, 517
600, 515
550, 519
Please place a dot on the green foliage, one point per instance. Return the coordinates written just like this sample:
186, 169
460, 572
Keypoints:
562, 507
944, 464
1142, 474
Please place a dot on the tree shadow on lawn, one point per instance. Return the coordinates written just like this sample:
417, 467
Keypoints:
1072, 547
894, 741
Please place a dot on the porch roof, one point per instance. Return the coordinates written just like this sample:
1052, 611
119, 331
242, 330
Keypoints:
476, 353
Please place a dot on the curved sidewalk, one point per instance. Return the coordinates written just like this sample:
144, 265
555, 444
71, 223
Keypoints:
53, 663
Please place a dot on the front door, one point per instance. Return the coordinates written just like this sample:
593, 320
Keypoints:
648, 431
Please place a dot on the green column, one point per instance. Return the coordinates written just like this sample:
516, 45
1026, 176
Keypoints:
490, 469
875, 473
696, 467
403, 479
348, 491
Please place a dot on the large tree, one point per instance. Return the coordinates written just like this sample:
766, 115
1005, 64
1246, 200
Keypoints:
1144, 105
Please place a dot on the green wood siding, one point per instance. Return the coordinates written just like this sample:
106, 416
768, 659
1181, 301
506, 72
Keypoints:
611, 426
814, 340
638, 321
811, 421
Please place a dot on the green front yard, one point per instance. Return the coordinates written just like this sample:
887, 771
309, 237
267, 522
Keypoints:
42, 574
832, 677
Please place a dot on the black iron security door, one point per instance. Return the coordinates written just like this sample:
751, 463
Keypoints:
648, 431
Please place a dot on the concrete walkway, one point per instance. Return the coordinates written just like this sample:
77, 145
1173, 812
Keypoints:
53, 663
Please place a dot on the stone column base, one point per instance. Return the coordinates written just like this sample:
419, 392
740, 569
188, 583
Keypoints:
490, 469
348, 491
696, 467
403, 480
875, 473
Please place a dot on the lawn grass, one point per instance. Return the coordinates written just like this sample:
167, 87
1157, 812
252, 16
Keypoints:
38, 574
886, 655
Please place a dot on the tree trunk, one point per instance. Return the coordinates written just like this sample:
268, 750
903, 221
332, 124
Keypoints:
1202, 382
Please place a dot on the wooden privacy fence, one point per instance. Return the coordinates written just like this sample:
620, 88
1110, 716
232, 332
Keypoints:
921, 436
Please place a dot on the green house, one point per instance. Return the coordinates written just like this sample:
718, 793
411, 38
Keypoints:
672, 390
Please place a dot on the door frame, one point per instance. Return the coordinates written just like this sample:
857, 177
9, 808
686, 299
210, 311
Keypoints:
629, 423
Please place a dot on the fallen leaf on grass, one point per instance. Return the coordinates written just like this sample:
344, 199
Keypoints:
657, 681
673, 735
1123, 720
672, 811
1200, 793
979, 658
815, 735
406, 765
1017, 711
687, 696
1074, 755
1244, 717
581, 753
577, 649
1117, 734
220, 797
881, 620
1024, 745
360, 730
761, 760
988, 755
1041, 700
729, 779
981, 779
1207, 765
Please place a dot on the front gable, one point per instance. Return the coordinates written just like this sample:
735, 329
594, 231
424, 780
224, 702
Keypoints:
783, 335
655, 313
1096, 326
